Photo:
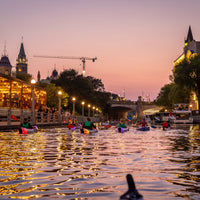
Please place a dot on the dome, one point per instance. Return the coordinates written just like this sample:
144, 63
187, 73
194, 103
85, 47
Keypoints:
5, 61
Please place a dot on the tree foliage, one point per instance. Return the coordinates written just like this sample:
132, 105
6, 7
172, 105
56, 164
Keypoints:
171, 94
88, 89
187, 74
24, 77
163, 97
53, 98
186, 77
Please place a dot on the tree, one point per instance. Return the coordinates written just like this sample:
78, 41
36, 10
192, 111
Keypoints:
179, 94
163, 96
187, 74
96, 83
89, 89
52, 96
24, 77
171, 94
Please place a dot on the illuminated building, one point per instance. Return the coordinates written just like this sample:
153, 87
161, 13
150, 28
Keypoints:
15, 93
191, 49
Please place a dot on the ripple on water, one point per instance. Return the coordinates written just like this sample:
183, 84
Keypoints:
59, 164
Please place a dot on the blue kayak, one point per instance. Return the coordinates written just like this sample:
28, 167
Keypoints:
146, 128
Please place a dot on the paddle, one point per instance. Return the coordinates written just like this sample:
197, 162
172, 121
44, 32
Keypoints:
132, 193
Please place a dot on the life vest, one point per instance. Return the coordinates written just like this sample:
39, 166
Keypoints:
143, 123
165, 124
25, 125
122, 125
87, 124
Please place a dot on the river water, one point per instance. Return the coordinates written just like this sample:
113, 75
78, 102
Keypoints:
60, 164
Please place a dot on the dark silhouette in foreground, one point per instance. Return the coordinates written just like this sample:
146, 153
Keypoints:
132, 193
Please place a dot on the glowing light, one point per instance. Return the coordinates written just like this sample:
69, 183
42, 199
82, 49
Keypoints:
59, 92
33, 81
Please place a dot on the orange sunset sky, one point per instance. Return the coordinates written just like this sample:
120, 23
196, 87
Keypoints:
135, 42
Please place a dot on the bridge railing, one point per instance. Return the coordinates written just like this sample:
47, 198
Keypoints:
124, 102
132, 102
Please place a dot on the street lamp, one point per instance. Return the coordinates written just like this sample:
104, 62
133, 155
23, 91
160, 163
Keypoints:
73, 112
33, 101
59, 104
89, 110
83, 103
96, 113
93, 108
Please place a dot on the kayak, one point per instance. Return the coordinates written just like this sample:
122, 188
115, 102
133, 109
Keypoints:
73, 127
122, 130
23, 130
105, 123
146, 128
88, 131
105, 127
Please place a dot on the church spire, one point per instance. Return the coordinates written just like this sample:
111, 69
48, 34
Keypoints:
38, 77
189, 36
5, 51
21, 66
22, 52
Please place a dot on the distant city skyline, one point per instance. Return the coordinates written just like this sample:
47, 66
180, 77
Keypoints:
135, 42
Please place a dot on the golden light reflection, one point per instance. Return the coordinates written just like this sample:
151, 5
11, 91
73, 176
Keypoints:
20, 160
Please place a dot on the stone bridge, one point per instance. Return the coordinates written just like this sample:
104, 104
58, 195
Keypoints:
120, 109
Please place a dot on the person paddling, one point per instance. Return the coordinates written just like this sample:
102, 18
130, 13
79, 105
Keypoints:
143, 123
88, 124
26, 124
165, 125
122, 124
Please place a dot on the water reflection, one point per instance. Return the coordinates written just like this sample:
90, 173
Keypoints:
59, 164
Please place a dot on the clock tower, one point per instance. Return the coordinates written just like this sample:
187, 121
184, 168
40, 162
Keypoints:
21, 66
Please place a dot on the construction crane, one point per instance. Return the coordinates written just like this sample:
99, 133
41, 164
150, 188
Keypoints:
83, 59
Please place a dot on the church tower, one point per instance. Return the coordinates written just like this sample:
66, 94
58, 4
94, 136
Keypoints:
21, 66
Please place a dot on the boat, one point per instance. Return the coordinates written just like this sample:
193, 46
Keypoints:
23, 130
88, 131
145, 128
105, 123
73, 127
181, 114
162, 116
105, 127
122, 130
